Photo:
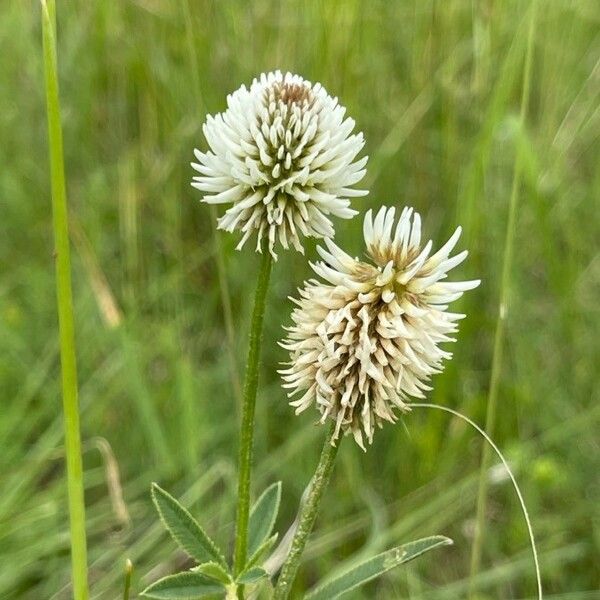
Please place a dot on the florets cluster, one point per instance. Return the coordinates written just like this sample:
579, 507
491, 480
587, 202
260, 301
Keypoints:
366, 336
283, 155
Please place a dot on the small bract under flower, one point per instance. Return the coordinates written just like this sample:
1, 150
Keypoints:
367, 337
283, 154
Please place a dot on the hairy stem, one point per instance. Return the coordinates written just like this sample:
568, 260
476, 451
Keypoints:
248, 406
308, 516
497, 357
65, 310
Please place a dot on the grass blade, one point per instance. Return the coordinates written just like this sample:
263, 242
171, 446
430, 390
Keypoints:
505, 284
495, 448
218, 246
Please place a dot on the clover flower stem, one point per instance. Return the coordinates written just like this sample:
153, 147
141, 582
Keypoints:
308, 515
65, 309
248, 406
497, 356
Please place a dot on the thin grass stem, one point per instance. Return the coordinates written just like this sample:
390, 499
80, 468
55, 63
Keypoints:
308, 515
495, 448
225, 304
218, 246
248, 409
65, 310
498, 349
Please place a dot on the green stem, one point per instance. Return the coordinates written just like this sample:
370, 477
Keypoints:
248, 406
308, 515
127, 582
65, 310
498, 350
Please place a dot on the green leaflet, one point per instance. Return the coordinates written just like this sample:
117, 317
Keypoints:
251, 575
214, 571
261, 551
376, 566
184, 529
183, 586
262, 517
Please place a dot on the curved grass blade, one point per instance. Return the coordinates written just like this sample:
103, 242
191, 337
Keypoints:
262, 517
488, 439
183, 586
376, 566
184, 529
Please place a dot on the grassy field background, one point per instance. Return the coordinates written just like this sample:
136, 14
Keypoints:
436, 87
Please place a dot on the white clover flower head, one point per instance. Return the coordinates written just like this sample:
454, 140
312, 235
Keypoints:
367, 338
283, 155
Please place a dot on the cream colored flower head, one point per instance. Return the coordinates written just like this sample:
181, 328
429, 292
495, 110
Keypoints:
367, 337
283, 155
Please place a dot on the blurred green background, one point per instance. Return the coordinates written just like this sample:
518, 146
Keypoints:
436, 87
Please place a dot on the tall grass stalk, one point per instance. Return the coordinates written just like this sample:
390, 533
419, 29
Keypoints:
498, 350
248, 409
308, 515
65, 309
492, 446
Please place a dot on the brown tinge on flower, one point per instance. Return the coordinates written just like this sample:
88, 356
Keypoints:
366, 339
